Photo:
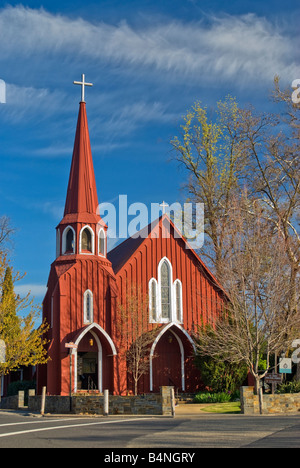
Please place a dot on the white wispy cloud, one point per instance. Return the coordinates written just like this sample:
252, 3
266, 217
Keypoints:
126, 119
22, 101
36, 290
223, 48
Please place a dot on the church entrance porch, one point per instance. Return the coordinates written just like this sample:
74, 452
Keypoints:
167, 363
88, 368
169, 358
93, 360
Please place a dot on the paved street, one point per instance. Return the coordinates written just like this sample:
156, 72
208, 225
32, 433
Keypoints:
183, 432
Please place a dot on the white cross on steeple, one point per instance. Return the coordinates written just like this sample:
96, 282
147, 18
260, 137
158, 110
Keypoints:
164, 205
83, 84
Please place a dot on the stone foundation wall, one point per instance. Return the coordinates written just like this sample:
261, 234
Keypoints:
272, 404
150, 404
53, 404
10, 402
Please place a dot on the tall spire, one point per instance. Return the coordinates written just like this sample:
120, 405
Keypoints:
82, 192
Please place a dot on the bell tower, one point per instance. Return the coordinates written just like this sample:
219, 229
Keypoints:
81, 295
81, 231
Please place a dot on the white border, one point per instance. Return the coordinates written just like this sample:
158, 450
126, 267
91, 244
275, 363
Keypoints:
180, 319
88, 292
99, 234
64, 241
151, 319
93, 240
159, 314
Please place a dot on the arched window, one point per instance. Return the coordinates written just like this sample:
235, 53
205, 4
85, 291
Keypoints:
86, 240
153, 299
68, 241
178, 300
102, 242
88, 307
165, 290
165, 297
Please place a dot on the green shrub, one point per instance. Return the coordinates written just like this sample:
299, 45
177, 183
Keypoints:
221, 376
289, 387
14, 387
206, 397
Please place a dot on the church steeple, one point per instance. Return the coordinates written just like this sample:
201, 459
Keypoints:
82, 231
82, 192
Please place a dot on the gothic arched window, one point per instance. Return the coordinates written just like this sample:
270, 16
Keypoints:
102, 242
68, 241
178, 300
165, 296
153, 299
88, 307
86, 240
165, 290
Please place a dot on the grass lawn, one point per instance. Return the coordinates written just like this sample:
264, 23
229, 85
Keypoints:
231, 407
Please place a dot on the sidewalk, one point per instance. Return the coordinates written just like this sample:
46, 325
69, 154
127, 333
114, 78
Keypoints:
191, 408
200, 409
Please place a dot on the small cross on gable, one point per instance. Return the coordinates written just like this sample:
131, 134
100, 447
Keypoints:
164, 205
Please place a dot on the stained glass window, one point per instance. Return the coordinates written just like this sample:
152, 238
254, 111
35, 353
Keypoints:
86, 240
88, 307
178, 292
102, 242
165, 290
70, 241
153, 299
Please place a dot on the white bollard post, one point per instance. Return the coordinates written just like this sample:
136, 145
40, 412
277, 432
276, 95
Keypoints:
106, 403
172, 400
43, 401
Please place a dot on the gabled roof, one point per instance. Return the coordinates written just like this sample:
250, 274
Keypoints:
122, 253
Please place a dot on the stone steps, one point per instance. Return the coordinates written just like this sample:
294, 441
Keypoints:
184, 398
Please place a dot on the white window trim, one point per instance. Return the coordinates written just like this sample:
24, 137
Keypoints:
85, 320
99, 236
151, 320
173, 315
180, 320
64, 241
93, 241
160, 319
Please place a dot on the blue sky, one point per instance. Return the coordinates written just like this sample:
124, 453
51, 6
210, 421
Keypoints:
149, 62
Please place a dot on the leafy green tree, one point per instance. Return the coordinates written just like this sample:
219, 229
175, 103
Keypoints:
210, 148
25, 345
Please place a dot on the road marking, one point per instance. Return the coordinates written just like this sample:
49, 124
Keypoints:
39, 421
9, 434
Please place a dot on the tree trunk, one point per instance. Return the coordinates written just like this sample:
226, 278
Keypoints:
259, 391
260, 397
298, 372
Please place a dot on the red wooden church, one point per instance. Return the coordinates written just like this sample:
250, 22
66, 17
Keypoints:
87, 284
